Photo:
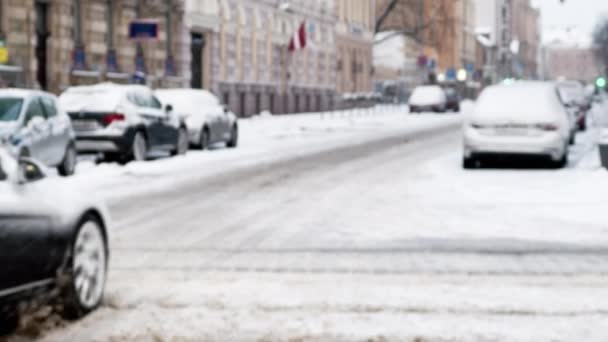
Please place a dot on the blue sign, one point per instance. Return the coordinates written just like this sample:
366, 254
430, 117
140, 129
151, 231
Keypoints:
143, 29
470, 67
450, 74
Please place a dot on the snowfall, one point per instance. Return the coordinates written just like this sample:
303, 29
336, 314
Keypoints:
563, 302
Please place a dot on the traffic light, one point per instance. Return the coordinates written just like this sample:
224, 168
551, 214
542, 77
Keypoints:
600, 82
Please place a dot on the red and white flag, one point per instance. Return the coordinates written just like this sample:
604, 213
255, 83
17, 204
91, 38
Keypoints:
298, 41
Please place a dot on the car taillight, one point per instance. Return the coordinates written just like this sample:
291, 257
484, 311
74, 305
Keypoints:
110, 118
547, 127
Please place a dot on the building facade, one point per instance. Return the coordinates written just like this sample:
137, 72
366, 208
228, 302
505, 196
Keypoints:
55, 44
571, 63
354, 45
526, 37
240, 53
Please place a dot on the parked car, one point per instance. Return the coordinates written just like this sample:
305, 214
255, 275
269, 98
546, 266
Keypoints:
525, 118
207, 120
453, 99
53, 245
33, 125
573, 96
430, 98
123, 122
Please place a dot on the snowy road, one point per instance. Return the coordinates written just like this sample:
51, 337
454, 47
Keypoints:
380, 236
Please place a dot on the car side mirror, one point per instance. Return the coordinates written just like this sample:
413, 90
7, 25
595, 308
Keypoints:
29, 171
35, 122
168, 109
226, 111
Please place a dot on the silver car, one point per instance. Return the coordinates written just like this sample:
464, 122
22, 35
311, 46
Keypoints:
207, 120
33, 125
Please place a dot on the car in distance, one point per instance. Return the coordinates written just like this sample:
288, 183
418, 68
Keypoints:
53, 243
428, 98
123, 122
33, 125
207, 120
521, 119
453, 99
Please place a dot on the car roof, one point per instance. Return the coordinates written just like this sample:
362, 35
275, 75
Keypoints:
108, 86
24, 93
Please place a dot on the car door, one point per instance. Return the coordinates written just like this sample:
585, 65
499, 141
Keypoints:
38, 131
25, 242
151, 117
224, 123
169, 126
60, 129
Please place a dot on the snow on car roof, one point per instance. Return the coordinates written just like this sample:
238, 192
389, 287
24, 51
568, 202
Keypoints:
525, 99
186, 100
99, 97
18, 92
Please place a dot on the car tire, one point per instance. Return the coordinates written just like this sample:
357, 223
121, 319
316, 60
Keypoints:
182, 144
203, 143
234, 137
68, 164
139, 147
88, 250
9, 321
469, 163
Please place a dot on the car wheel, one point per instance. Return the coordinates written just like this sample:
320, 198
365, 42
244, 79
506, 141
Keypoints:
204, 139
182, 143
87, 270
9, 321
139, 148
234, 137
68, 165
469, 163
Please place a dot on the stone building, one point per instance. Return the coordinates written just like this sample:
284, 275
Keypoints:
239, 52
57, 43
354, 45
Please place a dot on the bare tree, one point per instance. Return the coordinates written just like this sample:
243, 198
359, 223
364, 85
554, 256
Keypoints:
600, 42
420, 20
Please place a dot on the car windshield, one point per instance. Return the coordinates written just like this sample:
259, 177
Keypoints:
10, 108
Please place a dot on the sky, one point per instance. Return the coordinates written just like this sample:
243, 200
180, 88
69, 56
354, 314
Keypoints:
580, 15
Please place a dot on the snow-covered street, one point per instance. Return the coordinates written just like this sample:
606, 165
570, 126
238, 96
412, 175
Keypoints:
355, 226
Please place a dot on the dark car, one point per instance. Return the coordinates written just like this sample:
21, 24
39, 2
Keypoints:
453, 99
53, 243
123, 122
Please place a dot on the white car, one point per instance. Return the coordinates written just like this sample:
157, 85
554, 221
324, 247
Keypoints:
123, 122
207, 120
33, 125
53, 243
429, 98
524, 118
